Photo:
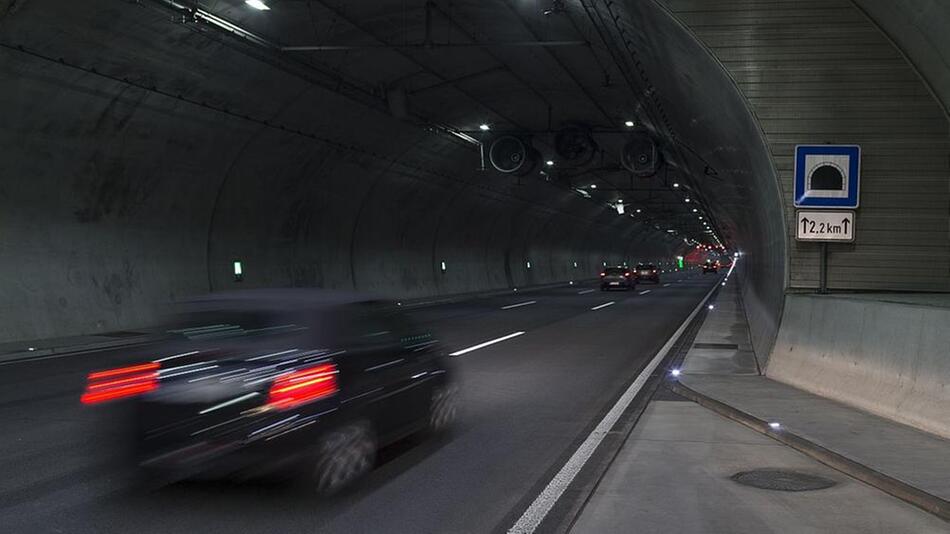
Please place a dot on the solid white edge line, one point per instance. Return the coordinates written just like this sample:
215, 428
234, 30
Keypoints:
485, 344
611, 303
520, 304
535, 513
645, 291
586, 291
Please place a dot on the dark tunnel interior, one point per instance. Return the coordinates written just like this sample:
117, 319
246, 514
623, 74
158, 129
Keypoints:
161, 151
375, 248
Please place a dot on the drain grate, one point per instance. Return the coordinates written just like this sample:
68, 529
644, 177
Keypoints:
727, 346
781, 480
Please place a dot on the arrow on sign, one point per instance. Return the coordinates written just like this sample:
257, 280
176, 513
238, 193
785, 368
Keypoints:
805, 222
845, 222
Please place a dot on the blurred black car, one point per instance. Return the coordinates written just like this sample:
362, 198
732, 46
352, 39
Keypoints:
711, 267
275, 381
617, 278
647, 271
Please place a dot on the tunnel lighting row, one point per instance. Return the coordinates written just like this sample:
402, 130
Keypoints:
443, 266
258, 5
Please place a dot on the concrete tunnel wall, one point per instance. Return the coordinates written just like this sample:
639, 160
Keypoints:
714, 123
116, 196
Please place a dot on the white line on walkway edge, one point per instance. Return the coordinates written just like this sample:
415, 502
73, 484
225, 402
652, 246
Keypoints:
645, 292
604, 305
535, 513
510, 306
485, 344
586, 291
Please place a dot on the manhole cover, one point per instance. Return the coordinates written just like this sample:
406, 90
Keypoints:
780, 480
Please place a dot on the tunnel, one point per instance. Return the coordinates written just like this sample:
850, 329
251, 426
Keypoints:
452, 156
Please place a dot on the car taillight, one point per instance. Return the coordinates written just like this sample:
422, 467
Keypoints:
603, 274
626, 274
119, 383
654, 270
303, 386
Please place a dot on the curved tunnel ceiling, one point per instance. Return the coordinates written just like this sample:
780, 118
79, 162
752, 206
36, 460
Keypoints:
175, 146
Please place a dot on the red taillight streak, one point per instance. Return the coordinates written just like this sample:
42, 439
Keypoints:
150, 366
301, 387
93, 398
130, 381
119, 382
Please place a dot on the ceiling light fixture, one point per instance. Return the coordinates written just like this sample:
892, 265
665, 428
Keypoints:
628, 124
484, 127
257, 4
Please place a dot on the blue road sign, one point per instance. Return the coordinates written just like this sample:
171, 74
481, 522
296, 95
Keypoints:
827, 176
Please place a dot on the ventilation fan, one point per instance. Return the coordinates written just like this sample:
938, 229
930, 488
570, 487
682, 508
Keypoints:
512, 155
640, 154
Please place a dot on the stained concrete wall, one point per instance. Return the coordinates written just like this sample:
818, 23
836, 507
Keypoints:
118, 193
887, 358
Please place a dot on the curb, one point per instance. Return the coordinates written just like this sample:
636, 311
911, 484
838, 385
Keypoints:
903, 491
48, 352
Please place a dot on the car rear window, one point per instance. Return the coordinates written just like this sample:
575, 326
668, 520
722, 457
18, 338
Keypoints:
614, 270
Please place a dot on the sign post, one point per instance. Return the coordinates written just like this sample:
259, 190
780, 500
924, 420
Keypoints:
827, 179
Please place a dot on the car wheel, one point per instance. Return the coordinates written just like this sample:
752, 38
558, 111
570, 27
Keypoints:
344, 455
443, 409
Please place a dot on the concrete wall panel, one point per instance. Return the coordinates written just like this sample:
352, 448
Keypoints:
887, 358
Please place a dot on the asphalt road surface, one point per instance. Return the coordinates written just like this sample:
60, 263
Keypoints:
528, 401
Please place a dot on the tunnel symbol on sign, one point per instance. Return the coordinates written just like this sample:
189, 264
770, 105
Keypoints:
826, 175
826, 178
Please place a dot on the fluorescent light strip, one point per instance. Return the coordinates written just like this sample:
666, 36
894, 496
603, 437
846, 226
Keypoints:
520, 304
611, 303
485, 344
257, 4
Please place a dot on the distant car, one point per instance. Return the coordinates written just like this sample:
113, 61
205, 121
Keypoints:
647, 271
617, 278
711, 267
278, 381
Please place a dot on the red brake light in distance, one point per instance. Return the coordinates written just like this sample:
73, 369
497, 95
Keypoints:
303, 386
122, 382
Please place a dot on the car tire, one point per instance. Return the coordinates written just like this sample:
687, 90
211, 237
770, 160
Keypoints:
343, 456
443, 408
